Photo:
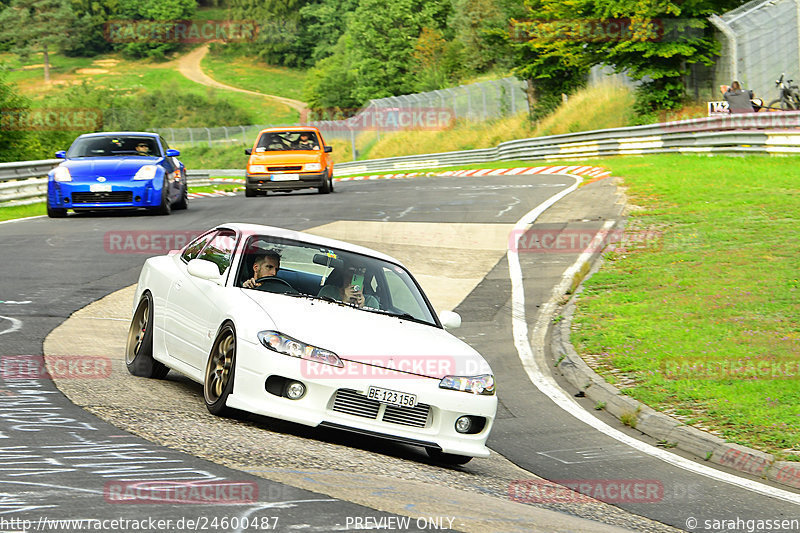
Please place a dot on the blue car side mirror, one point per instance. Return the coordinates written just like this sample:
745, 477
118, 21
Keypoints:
173, 153
61, 154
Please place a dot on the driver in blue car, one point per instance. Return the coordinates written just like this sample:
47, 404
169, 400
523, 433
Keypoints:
266, 265
142, 148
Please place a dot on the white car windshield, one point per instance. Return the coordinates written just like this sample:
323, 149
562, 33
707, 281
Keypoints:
361, 281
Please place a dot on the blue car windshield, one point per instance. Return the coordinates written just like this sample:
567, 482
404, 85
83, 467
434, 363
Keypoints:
114, 146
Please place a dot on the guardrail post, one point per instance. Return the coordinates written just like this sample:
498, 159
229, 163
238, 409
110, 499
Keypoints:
209, 136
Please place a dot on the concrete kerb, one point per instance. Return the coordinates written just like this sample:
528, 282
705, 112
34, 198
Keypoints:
655, 424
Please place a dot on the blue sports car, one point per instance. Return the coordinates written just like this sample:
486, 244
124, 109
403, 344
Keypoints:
117, 170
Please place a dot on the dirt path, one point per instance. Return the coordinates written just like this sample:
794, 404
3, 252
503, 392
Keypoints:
189, 66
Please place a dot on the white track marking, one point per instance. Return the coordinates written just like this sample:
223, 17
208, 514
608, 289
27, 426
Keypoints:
21, 219
15, 325
531, 354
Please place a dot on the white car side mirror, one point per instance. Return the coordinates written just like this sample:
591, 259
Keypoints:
450, 320
200, 268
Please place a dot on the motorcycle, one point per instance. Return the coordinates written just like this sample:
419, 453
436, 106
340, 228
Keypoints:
789, 95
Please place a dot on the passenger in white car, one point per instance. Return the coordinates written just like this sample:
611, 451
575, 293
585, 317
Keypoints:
347, 285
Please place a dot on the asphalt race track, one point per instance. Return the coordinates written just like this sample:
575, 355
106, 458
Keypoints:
62, 461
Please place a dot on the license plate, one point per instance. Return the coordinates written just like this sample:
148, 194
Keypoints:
285, 177
400, 399
100, 187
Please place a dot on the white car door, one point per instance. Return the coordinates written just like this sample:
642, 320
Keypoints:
191, 322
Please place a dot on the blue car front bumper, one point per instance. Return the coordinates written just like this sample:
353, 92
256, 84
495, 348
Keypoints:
71, 195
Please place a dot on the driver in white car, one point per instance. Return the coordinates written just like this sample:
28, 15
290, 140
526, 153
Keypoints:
266, 265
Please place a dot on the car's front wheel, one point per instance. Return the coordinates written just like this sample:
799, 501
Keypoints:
218, 379
139, 348
183, 203
55, 212
326, 186
447, 458
165, 208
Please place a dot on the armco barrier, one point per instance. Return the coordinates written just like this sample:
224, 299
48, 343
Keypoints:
32, 188
765, 133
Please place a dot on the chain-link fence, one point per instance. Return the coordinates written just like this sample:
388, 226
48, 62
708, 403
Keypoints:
430, 110
759, 42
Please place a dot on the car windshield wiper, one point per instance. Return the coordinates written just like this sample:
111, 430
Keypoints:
404, 316
312, 296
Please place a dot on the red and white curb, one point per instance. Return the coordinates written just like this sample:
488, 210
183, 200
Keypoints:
586, 171
594, 172
210, 194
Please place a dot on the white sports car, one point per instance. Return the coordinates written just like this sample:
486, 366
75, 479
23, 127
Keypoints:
314, 331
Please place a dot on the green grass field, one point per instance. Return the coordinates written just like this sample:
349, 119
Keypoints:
126, 76
254, 75
704, 314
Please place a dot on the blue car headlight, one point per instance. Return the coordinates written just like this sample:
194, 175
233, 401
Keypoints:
278, 342
483, 384
147, 172
62, 174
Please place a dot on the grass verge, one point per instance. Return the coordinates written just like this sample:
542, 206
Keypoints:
700, 307
22, 211
254, 75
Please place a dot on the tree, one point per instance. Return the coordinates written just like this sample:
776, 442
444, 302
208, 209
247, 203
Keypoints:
93, 16
14, 138
375, 56
141, 11
473, 23
38, 26
551, 62
282, 38
437, 62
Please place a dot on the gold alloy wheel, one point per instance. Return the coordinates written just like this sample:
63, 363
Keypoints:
138, 330
220, 366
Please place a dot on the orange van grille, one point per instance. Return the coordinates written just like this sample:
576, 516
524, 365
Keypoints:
285, 169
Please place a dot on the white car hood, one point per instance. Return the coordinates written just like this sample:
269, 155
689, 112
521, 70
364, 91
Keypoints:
371, 338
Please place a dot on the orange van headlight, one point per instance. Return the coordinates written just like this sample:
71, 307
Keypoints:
254, 169
313, 166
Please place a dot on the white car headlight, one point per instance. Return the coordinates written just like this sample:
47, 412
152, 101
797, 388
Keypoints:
258, 169
313, 166
147, 172
483, 384
62, 174
278, 342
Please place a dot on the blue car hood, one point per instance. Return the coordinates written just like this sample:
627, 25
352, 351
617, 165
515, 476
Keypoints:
108, 167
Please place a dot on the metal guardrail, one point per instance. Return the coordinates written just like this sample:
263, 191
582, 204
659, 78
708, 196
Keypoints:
765, 133
30, 190
773, 133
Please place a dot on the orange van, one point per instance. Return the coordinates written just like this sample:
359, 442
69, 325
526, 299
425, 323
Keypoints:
287, 159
